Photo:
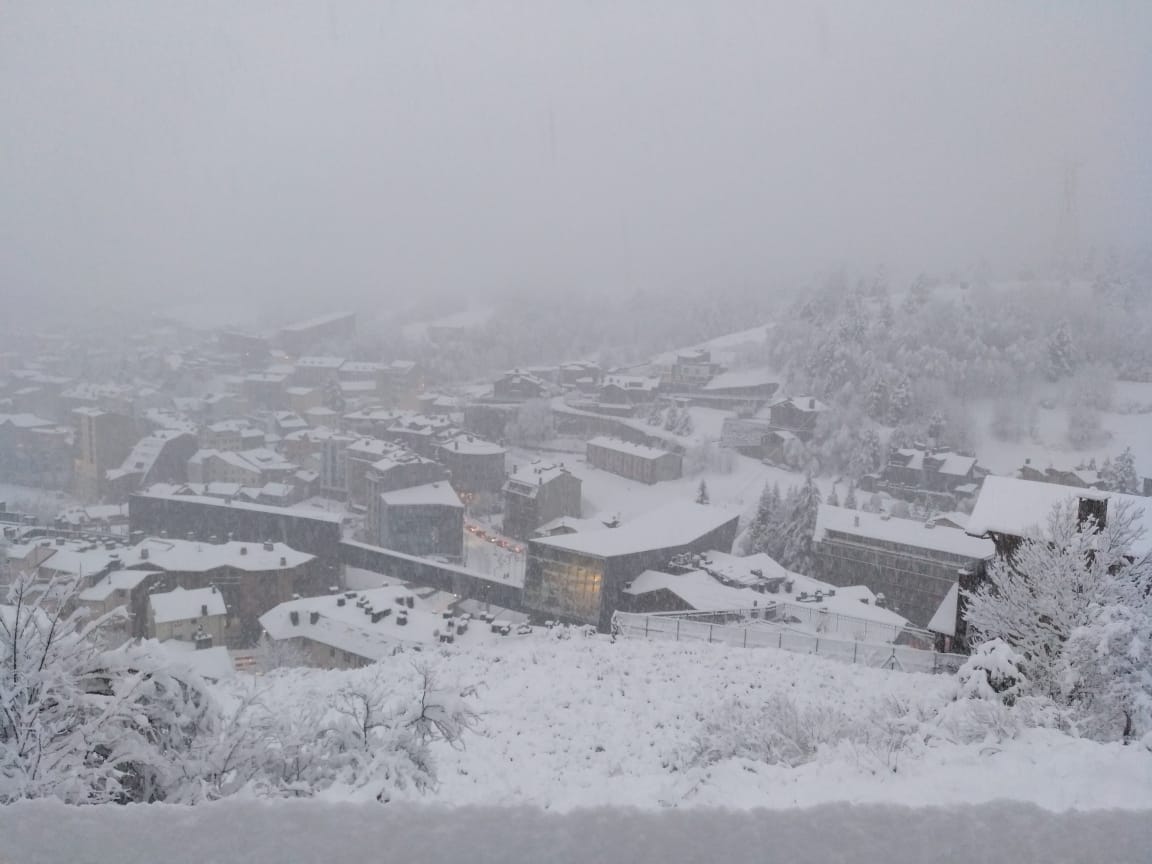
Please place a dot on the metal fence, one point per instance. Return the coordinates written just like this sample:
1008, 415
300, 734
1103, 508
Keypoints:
764, 634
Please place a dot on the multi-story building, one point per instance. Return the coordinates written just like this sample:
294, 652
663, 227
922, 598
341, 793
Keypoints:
796, 414
188, 615
519, 385
581, 577
912, 564
35, 452
476, 466
421, 520
161, 457
202, 517
103, 441
247, 467
634, 461
251, 578
539, 494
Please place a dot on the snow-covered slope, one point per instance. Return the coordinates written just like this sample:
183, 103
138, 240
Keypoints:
584, 722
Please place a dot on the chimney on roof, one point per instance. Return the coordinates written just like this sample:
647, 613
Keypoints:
203, 610
144, 554
283, 561
811, 404
268, 546
243, 550
294, 617
856, 521
314, 617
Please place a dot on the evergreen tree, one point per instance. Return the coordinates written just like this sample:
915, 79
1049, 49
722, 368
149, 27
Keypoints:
702, 493
833, 498
850, 498
764, 524
1060, 355
795, 548
900, 402
1108, 474
1124, 468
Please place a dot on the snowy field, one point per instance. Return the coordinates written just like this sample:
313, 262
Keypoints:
304, 832
583, 722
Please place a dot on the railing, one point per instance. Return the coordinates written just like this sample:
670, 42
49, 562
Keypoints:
765, 634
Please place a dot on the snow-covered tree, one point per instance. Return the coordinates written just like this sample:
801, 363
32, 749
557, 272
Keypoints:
1108, 669
702, 493
794, 546
1123, 476
762, 529
1060, 354
833, 498
83, 722
850, 497
1071, 576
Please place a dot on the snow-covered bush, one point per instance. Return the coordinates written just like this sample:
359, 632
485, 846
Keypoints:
775, 731
993, 673
89, 724
83, 722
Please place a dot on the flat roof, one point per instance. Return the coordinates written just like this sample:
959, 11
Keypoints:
907, 532
622, 446
675, 524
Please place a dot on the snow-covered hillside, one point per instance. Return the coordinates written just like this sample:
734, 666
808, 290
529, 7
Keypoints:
585, 722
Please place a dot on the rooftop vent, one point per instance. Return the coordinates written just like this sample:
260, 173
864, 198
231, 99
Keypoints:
294, 617
314, 617
144, 553
283, 561
269, 546
203, 610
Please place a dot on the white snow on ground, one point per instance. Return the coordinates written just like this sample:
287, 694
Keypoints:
1050, 445
584, 722
302, 832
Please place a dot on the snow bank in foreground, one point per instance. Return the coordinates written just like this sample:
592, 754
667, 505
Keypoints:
310, 831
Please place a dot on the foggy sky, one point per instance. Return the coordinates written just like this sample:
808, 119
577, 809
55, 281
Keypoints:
255, 148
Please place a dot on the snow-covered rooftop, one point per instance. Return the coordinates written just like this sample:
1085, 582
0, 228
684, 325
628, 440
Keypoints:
241, 505
1008, 505
117, 580
429, 494
742, 378
675, 524
195, 557
349, 628
944, 620
181, 604
622, 446
907, 532
472, 446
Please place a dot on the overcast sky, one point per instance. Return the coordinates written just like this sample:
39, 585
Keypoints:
244, 148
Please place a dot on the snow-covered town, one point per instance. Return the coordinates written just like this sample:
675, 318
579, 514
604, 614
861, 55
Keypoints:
349, 510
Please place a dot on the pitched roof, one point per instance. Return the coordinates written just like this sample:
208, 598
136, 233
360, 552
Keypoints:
1008, 505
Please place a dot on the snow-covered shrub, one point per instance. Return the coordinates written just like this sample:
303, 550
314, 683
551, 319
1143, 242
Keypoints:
80, 721
994, 672
775, 731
